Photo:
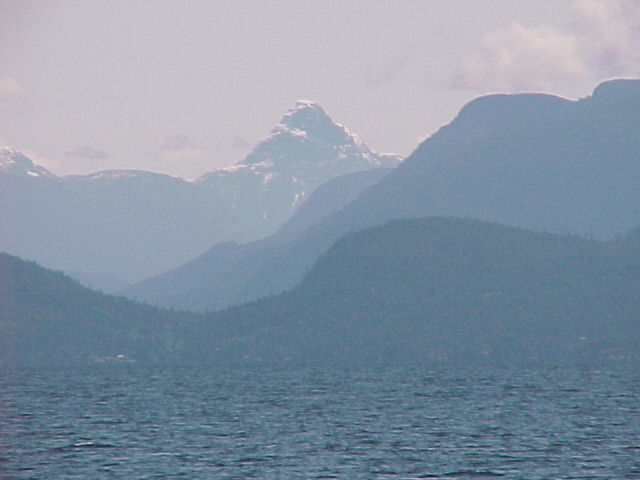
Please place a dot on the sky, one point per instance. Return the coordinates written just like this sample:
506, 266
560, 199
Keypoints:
185, 87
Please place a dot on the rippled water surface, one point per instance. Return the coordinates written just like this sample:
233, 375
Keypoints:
130, 421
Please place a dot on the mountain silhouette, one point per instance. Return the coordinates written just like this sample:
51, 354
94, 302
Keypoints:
530, 160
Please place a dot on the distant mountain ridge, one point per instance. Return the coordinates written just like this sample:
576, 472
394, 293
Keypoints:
132, 224
530, 160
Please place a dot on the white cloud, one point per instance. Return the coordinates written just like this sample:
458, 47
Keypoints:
602, 41
521, 58
610, 35
9, 86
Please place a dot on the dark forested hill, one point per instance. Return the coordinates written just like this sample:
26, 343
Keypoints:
48, 318
442, 289
422, 290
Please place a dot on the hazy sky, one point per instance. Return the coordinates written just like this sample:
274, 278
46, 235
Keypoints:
184, 87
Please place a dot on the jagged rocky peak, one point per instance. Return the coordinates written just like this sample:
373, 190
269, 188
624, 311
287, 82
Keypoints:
17, 163
306, 134
310, 119
306, 148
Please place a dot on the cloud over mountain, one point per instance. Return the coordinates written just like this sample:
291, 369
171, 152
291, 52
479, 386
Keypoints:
600, 42
610, 32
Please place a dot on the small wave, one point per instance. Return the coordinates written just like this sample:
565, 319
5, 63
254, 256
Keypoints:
90, 444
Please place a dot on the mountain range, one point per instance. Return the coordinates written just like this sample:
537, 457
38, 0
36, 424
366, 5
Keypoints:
380, 266
418, 291
131, 224
530, 160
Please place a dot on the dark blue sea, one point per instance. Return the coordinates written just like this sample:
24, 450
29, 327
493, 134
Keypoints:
134, 422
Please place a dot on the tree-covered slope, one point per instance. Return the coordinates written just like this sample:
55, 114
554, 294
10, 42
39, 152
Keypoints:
48, 318
422, 290
441, 289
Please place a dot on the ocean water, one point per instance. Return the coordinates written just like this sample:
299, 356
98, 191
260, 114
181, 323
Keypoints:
132, 421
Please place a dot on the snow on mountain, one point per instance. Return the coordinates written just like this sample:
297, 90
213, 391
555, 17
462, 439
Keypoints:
535, 161
17, 163
130, 177
309, 124
133, 223
306, 148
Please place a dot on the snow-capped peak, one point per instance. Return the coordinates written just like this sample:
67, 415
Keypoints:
303, 109
302, 133
309, 119
17, 163
309, 144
